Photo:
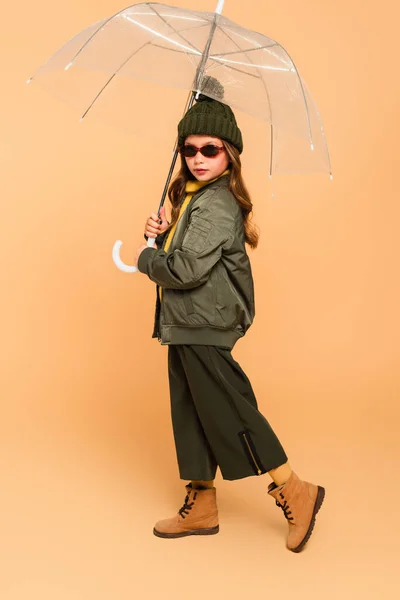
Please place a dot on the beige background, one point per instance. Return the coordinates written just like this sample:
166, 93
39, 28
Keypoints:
87, 457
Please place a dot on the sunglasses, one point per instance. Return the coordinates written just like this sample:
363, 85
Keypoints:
209, 151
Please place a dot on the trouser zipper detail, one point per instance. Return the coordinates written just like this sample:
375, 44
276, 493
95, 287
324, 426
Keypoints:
252, 455
255, 462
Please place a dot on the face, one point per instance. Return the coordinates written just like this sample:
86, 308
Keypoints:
202, 167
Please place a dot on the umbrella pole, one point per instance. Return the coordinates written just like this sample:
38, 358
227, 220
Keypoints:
197, 82
174, 157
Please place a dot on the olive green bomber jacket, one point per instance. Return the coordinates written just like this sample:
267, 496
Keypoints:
208, 290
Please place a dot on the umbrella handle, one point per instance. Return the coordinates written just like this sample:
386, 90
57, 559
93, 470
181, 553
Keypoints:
117, 259
151, 241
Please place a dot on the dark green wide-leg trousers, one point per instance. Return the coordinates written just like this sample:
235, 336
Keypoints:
215, 418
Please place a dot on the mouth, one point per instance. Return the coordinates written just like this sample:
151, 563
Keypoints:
200, 171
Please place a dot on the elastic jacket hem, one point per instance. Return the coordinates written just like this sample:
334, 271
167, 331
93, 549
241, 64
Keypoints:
203, 336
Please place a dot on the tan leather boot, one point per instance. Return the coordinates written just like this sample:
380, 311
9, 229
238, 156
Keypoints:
300, 502
198, 515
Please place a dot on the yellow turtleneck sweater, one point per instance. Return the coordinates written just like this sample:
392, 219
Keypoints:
191, 188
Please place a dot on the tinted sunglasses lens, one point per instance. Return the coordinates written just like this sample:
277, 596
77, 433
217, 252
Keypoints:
189, 151
210, 150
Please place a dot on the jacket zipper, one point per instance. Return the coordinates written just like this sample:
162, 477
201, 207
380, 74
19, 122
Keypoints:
159, 318
252, 455
158, 293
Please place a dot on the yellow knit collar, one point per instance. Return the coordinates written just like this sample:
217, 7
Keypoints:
194, 185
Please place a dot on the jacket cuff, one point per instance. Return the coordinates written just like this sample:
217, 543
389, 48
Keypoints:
144, 259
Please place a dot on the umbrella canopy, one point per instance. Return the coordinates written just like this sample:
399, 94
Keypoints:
178, 47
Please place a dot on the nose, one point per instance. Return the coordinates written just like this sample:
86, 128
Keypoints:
198, 159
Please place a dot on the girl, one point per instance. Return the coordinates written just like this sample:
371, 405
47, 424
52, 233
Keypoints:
205, 303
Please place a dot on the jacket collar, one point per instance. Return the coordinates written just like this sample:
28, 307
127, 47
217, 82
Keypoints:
193, 186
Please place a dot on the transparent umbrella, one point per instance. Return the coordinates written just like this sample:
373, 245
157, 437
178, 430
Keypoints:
179, 48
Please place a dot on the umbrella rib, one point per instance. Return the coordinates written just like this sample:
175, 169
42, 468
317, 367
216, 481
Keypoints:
301, 85
304, 95
269, 102
323, 135
235, 62
205, 24
174, 30
112, 77
187, 54
216, 62
148, 43
307, 111
245, 51
160, 35
173, 49
270, 46
198, 20
103, 24
210, 57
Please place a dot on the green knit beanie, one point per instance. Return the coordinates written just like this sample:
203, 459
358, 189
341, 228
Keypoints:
211, 117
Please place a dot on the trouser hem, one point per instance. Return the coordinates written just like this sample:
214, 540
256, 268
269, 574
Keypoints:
227, 477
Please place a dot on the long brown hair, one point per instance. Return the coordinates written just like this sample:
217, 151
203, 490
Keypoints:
236, 185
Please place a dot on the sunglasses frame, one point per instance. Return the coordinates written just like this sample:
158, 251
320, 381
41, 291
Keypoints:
220, 149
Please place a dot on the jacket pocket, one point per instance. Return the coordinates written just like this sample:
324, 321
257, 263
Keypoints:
196, 236
199, 304
188, 302
226, 301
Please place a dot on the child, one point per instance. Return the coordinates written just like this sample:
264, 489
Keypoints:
205, 303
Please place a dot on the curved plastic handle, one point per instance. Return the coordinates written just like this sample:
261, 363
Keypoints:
117, 259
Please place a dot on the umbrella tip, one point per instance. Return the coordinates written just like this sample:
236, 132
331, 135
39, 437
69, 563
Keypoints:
220, 6
29, 80
68, 66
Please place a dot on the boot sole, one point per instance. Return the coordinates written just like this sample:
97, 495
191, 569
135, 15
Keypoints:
317, 506
208, 531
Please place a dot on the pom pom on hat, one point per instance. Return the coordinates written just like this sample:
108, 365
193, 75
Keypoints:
210, 85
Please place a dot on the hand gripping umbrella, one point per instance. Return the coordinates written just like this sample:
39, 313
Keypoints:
185, 49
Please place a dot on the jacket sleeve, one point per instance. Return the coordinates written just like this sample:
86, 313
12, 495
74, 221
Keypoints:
211, 228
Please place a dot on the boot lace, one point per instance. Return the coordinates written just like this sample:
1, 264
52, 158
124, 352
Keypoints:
285, 507
187, 506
